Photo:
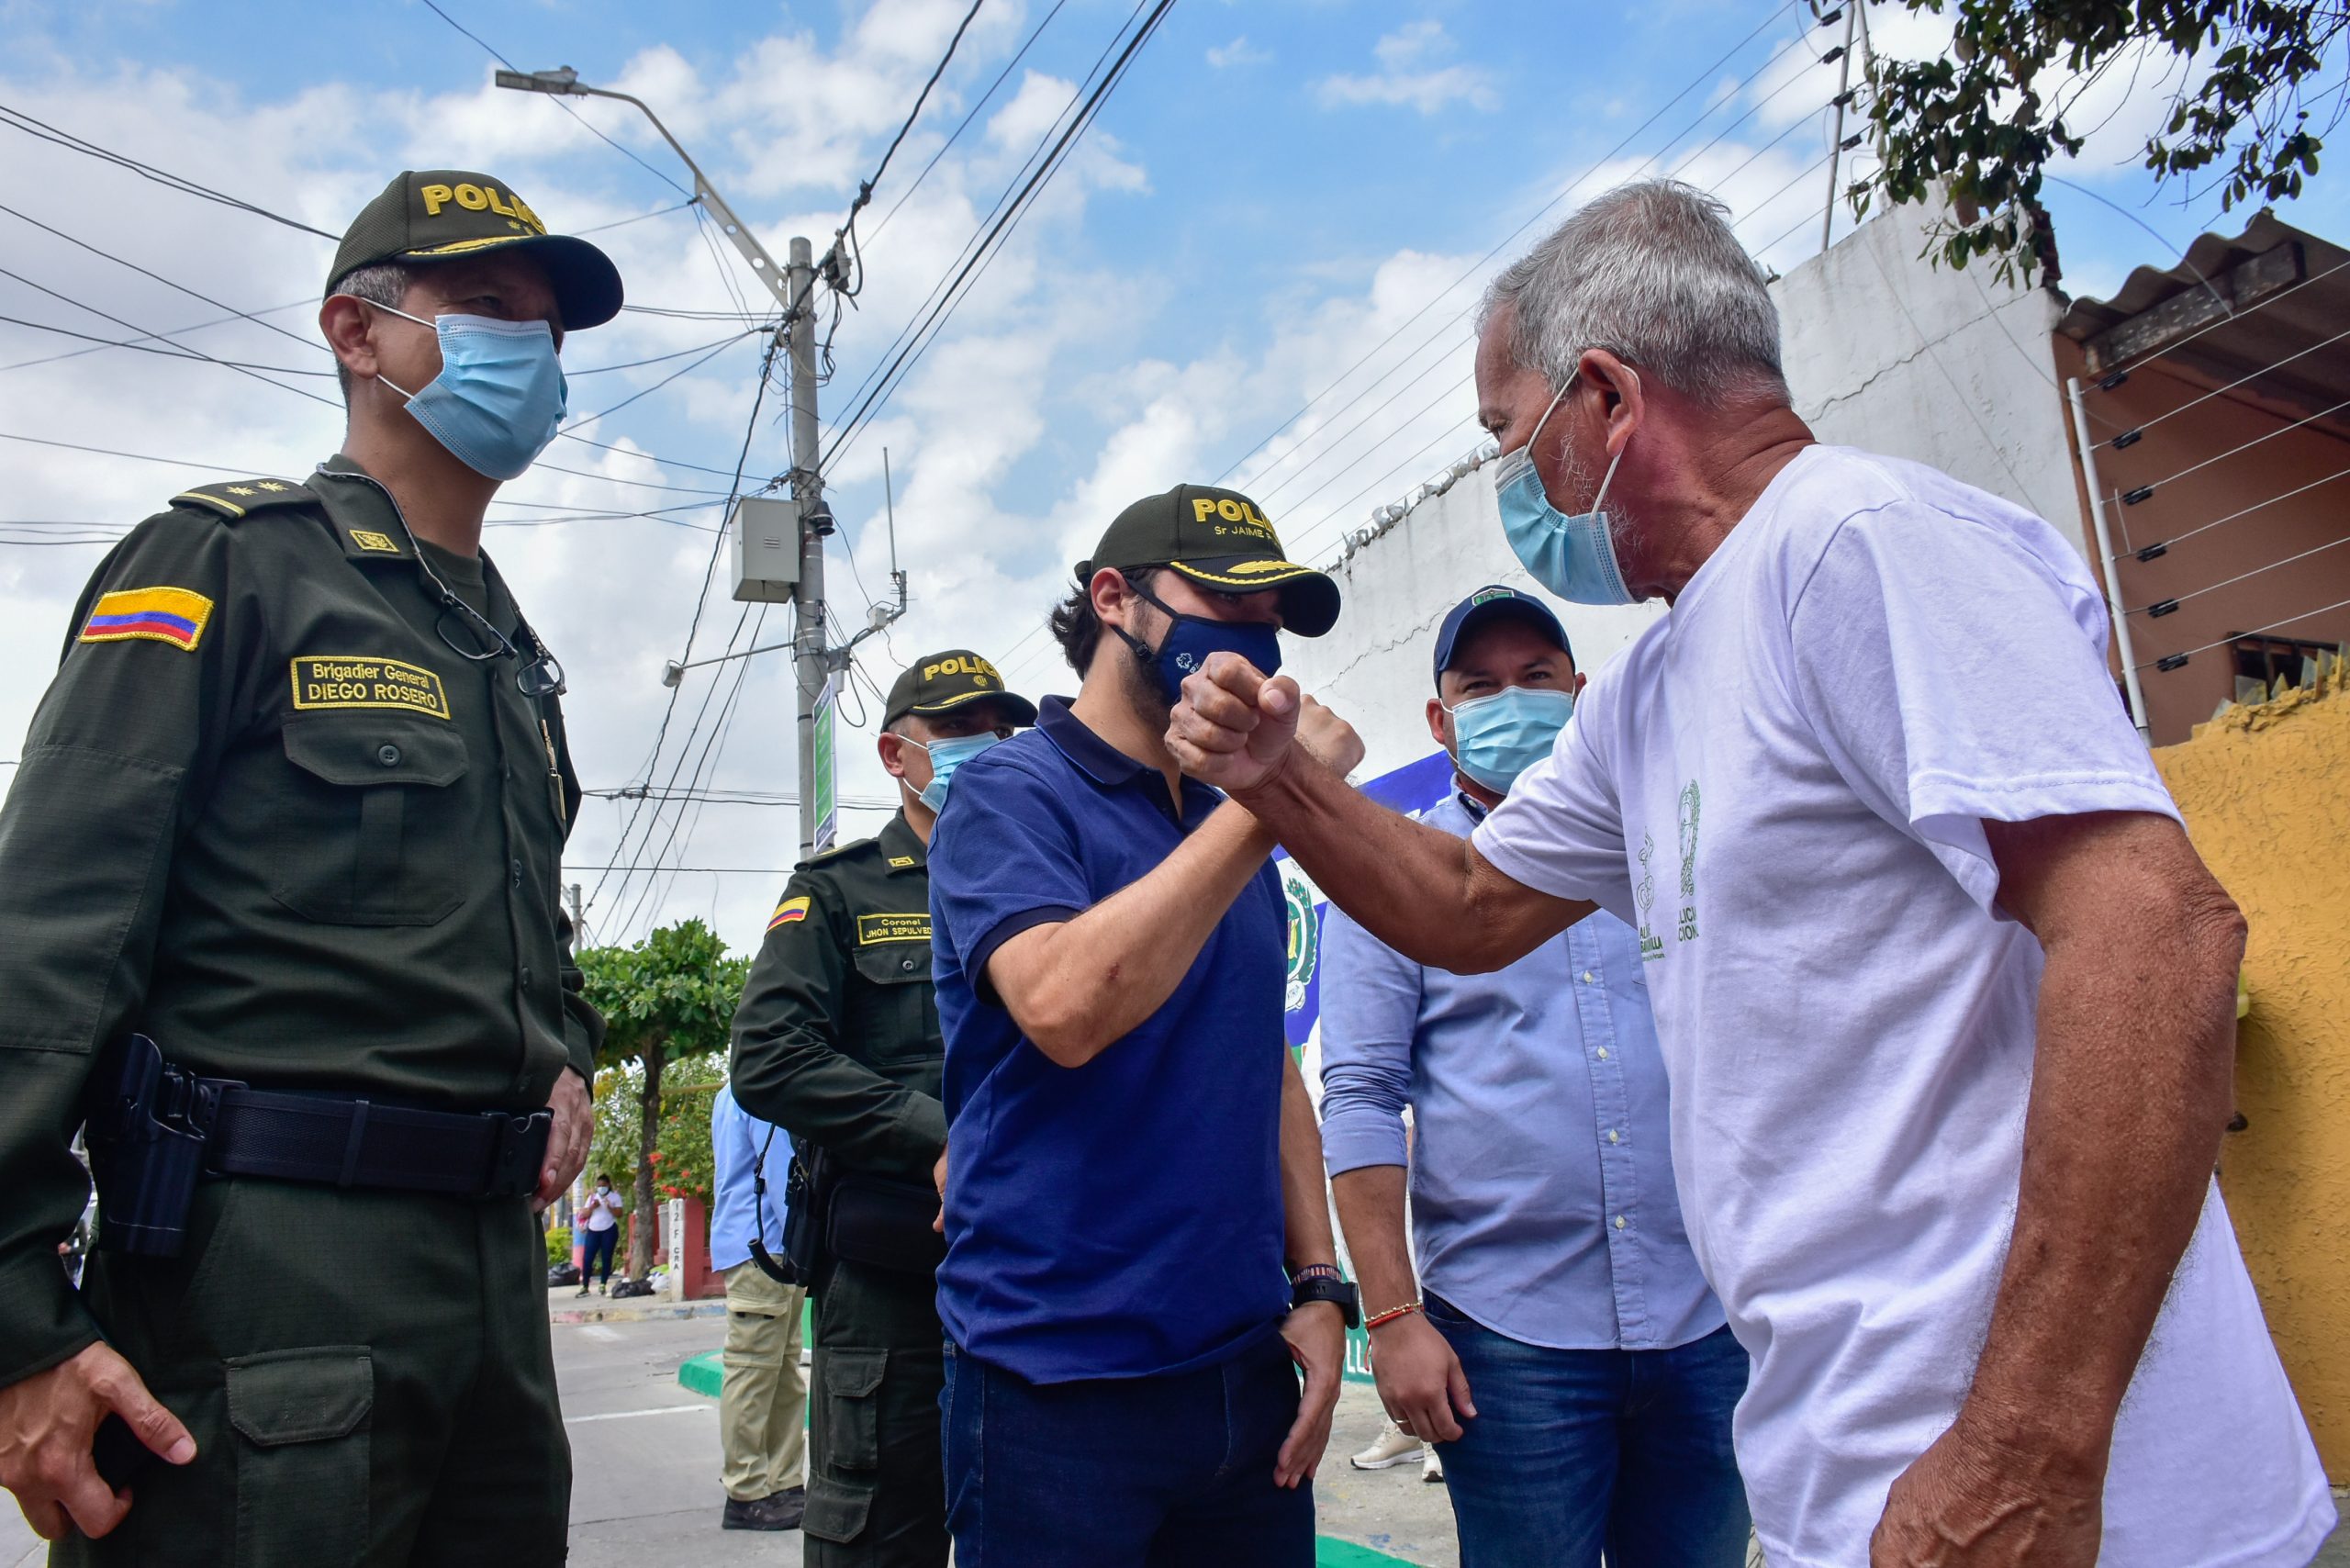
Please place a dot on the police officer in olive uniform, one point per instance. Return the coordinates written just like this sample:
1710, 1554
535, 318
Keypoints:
837, 1042
294, 809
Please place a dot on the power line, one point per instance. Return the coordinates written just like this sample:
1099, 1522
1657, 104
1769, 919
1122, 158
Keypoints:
574, 114
957, 288
144, 333
173, 351
19, 120
2172, 661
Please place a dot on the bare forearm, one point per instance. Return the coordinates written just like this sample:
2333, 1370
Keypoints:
2129, 1092
1078, 987
1372, 1210
1305, 1212
1425, 892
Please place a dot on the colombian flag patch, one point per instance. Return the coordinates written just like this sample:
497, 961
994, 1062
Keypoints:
171, 615
789, 910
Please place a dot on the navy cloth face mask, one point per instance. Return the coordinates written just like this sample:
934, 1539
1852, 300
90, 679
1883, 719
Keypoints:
500, 395
1191, 638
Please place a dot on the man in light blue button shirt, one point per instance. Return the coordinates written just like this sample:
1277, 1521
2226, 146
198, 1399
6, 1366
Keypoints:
1559, 1341
762, 1396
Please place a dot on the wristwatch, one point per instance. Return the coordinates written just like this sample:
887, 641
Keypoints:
1320, 1282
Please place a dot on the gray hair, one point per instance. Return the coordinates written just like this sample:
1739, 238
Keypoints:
383, 283
1652, 273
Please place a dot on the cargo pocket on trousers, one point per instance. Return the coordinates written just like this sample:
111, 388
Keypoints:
852, 1408
301, 1418
836, 1509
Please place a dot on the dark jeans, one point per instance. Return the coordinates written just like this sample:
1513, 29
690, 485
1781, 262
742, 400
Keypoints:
1125, 1472
600, 1244
1576, 1450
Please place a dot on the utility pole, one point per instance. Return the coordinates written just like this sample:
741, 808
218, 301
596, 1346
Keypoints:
810, 660
794, 287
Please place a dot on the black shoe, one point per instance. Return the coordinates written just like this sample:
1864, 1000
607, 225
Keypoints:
783, 1511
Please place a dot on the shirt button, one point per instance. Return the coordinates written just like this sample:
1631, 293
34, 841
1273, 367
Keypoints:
517, 871
526, 977
1619, 1222
388, 755
1603, 1053
1588, 979
1613, 1136
905, 963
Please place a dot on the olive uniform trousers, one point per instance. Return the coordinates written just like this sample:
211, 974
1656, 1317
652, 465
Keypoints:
877, 1483
367, 1376
763, 1398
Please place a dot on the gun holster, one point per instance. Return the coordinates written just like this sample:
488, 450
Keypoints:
146, 1126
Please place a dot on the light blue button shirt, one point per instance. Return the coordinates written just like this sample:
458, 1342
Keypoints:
1541, 1169
735, 1138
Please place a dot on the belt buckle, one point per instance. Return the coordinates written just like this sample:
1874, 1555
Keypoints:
517, 1145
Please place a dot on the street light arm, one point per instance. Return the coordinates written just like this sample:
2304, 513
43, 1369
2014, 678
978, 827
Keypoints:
565, 83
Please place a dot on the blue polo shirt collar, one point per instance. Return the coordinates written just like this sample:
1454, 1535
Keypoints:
1112, 768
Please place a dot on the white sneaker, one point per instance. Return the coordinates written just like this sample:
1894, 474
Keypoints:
1431, 1467
1388, 1450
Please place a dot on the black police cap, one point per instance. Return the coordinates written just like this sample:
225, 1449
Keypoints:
445, 215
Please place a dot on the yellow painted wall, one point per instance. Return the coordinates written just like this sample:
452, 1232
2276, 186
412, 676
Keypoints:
2266, 791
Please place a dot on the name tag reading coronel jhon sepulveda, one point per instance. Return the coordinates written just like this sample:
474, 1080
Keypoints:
348, 681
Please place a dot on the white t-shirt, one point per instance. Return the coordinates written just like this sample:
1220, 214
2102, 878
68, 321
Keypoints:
603, 1210
1782, 786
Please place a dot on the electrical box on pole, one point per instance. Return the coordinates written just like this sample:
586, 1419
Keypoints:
767, 549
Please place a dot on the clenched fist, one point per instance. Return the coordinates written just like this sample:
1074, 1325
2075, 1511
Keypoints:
1237, 730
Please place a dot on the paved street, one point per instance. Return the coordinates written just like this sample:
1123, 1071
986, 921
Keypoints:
645, 1455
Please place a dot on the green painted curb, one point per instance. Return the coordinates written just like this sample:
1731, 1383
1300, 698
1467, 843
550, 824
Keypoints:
702, 1375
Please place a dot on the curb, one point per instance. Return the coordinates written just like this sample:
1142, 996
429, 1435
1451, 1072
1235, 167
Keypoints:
702, 1375
624, 1311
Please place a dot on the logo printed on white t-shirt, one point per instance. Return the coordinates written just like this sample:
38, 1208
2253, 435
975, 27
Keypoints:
1689, 862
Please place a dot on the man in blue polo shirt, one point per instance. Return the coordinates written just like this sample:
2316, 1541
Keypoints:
1560, 1341
1132, 1157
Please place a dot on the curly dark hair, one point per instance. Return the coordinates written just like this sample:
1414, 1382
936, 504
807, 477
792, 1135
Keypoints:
1078, 630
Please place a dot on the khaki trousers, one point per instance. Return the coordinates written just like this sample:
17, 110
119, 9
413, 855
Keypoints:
762, 1400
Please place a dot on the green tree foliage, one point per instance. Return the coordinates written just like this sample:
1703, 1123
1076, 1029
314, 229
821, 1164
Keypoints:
2254, 86
681, 1152
666, 999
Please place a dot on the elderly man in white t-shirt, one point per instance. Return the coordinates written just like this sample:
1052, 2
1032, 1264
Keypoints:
1945, 996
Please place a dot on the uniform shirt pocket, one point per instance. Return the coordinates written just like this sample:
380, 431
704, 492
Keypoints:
892, 1016
371, 798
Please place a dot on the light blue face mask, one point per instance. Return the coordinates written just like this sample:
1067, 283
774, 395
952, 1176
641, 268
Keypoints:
946, 756
1496, 738
500, 395
1574, 557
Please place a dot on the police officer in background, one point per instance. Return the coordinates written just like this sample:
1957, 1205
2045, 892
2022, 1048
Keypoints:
294, 809
837, 1042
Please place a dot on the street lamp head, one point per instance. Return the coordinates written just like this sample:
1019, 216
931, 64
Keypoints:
561, 79
672, 673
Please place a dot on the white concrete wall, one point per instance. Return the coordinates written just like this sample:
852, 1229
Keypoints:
1882, 351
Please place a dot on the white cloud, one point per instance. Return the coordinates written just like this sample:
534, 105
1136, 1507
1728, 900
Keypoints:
1410, 77
1239, 51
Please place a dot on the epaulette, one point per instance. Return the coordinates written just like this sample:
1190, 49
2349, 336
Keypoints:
837, 852
236, 497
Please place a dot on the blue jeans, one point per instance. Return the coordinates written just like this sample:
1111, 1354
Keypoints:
1125, 1472
1576, 1450
599, 1244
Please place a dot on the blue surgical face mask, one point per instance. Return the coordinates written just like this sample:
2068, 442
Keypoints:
1574, 557
946, 756
500, 395
1190, 640
1496, 738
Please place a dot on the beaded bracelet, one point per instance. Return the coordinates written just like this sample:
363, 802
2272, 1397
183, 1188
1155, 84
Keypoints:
1379, 1318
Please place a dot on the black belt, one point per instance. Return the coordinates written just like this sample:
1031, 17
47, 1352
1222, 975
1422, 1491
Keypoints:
346, 1141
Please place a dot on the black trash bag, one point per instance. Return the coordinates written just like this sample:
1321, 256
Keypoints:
631, 1287
562, 1275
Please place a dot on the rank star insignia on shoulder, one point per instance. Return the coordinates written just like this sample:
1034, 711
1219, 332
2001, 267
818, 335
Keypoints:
236, 497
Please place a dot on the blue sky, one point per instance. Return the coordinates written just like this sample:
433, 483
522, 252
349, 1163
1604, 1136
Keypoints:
1277, 186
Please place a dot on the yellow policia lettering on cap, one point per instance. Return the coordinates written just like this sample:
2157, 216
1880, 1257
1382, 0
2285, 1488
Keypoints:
172, 615
872, 930
368, 539
962, 663
1228, 509
788, 912
478, 198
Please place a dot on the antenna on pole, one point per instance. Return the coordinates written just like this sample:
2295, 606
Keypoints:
880, 615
